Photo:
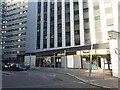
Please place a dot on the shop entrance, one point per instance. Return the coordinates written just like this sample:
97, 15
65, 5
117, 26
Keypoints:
103, 62
99, 61
39, 62
58, 62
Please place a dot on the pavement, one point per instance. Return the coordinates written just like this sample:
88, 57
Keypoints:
44, 78
98, 77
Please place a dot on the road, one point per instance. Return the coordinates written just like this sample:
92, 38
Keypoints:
41, 79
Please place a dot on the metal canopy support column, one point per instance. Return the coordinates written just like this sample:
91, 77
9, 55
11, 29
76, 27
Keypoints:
65, 58
30, 61
54, 60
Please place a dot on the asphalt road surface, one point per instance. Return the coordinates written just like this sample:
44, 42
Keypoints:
41, 79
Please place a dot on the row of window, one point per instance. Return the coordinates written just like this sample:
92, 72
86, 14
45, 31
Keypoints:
11, 58
12, 5
52, 25
15, 35
67, 24
17, 8
59, 28
17, 24
4, 26
16, 29
15, 46
21, 12
76, 24
17, 18
14, 52
87, 41
17, 40
18, 3
45, 27
4, 21
38, 25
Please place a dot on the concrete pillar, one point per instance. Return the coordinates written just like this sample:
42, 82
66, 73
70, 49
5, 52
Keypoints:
42, 19
72, 23
63, 23
114, 57
48, 25
55, 25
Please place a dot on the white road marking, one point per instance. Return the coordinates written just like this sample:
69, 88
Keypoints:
79, 82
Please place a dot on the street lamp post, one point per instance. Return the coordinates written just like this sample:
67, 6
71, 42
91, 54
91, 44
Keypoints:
65, 59
90, 68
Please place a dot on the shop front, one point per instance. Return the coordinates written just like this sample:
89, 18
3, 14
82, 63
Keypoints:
48, 61
100, 59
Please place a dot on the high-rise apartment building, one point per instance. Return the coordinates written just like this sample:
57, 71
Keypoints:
0, 30
2, 17
0, 40
14, 30
71, 26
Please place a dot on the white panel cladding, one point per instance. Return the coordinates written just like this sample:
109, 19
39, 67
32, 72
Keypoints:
114, 57
63, 23
33, 61
70, 61
30, 61
42, 20
48, 24
77, 62
108, 15
72, 23
103, 21
115, 14
62, 62
91, 21
55, 24
119, 37
27, 60
81, 22
107, 5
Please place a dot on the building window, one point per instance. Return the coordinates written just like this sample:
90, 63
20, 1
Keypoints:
85, 10
76, 24
45, 26
96, 7
86, 20
59, 26
97, 18
87, 31
87, 41
67, 24
38, 26
51, 24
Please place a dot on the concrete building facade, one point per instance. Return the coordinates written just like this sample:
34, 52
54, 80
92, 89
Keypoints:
14, 30
0, 30
73, 27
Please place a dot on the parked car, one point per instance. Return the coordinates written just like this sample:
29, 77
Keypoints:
20, 67
5, 67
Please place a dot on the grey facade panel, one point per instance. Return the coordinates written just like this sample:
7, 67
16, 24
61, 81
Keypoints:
31, 27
